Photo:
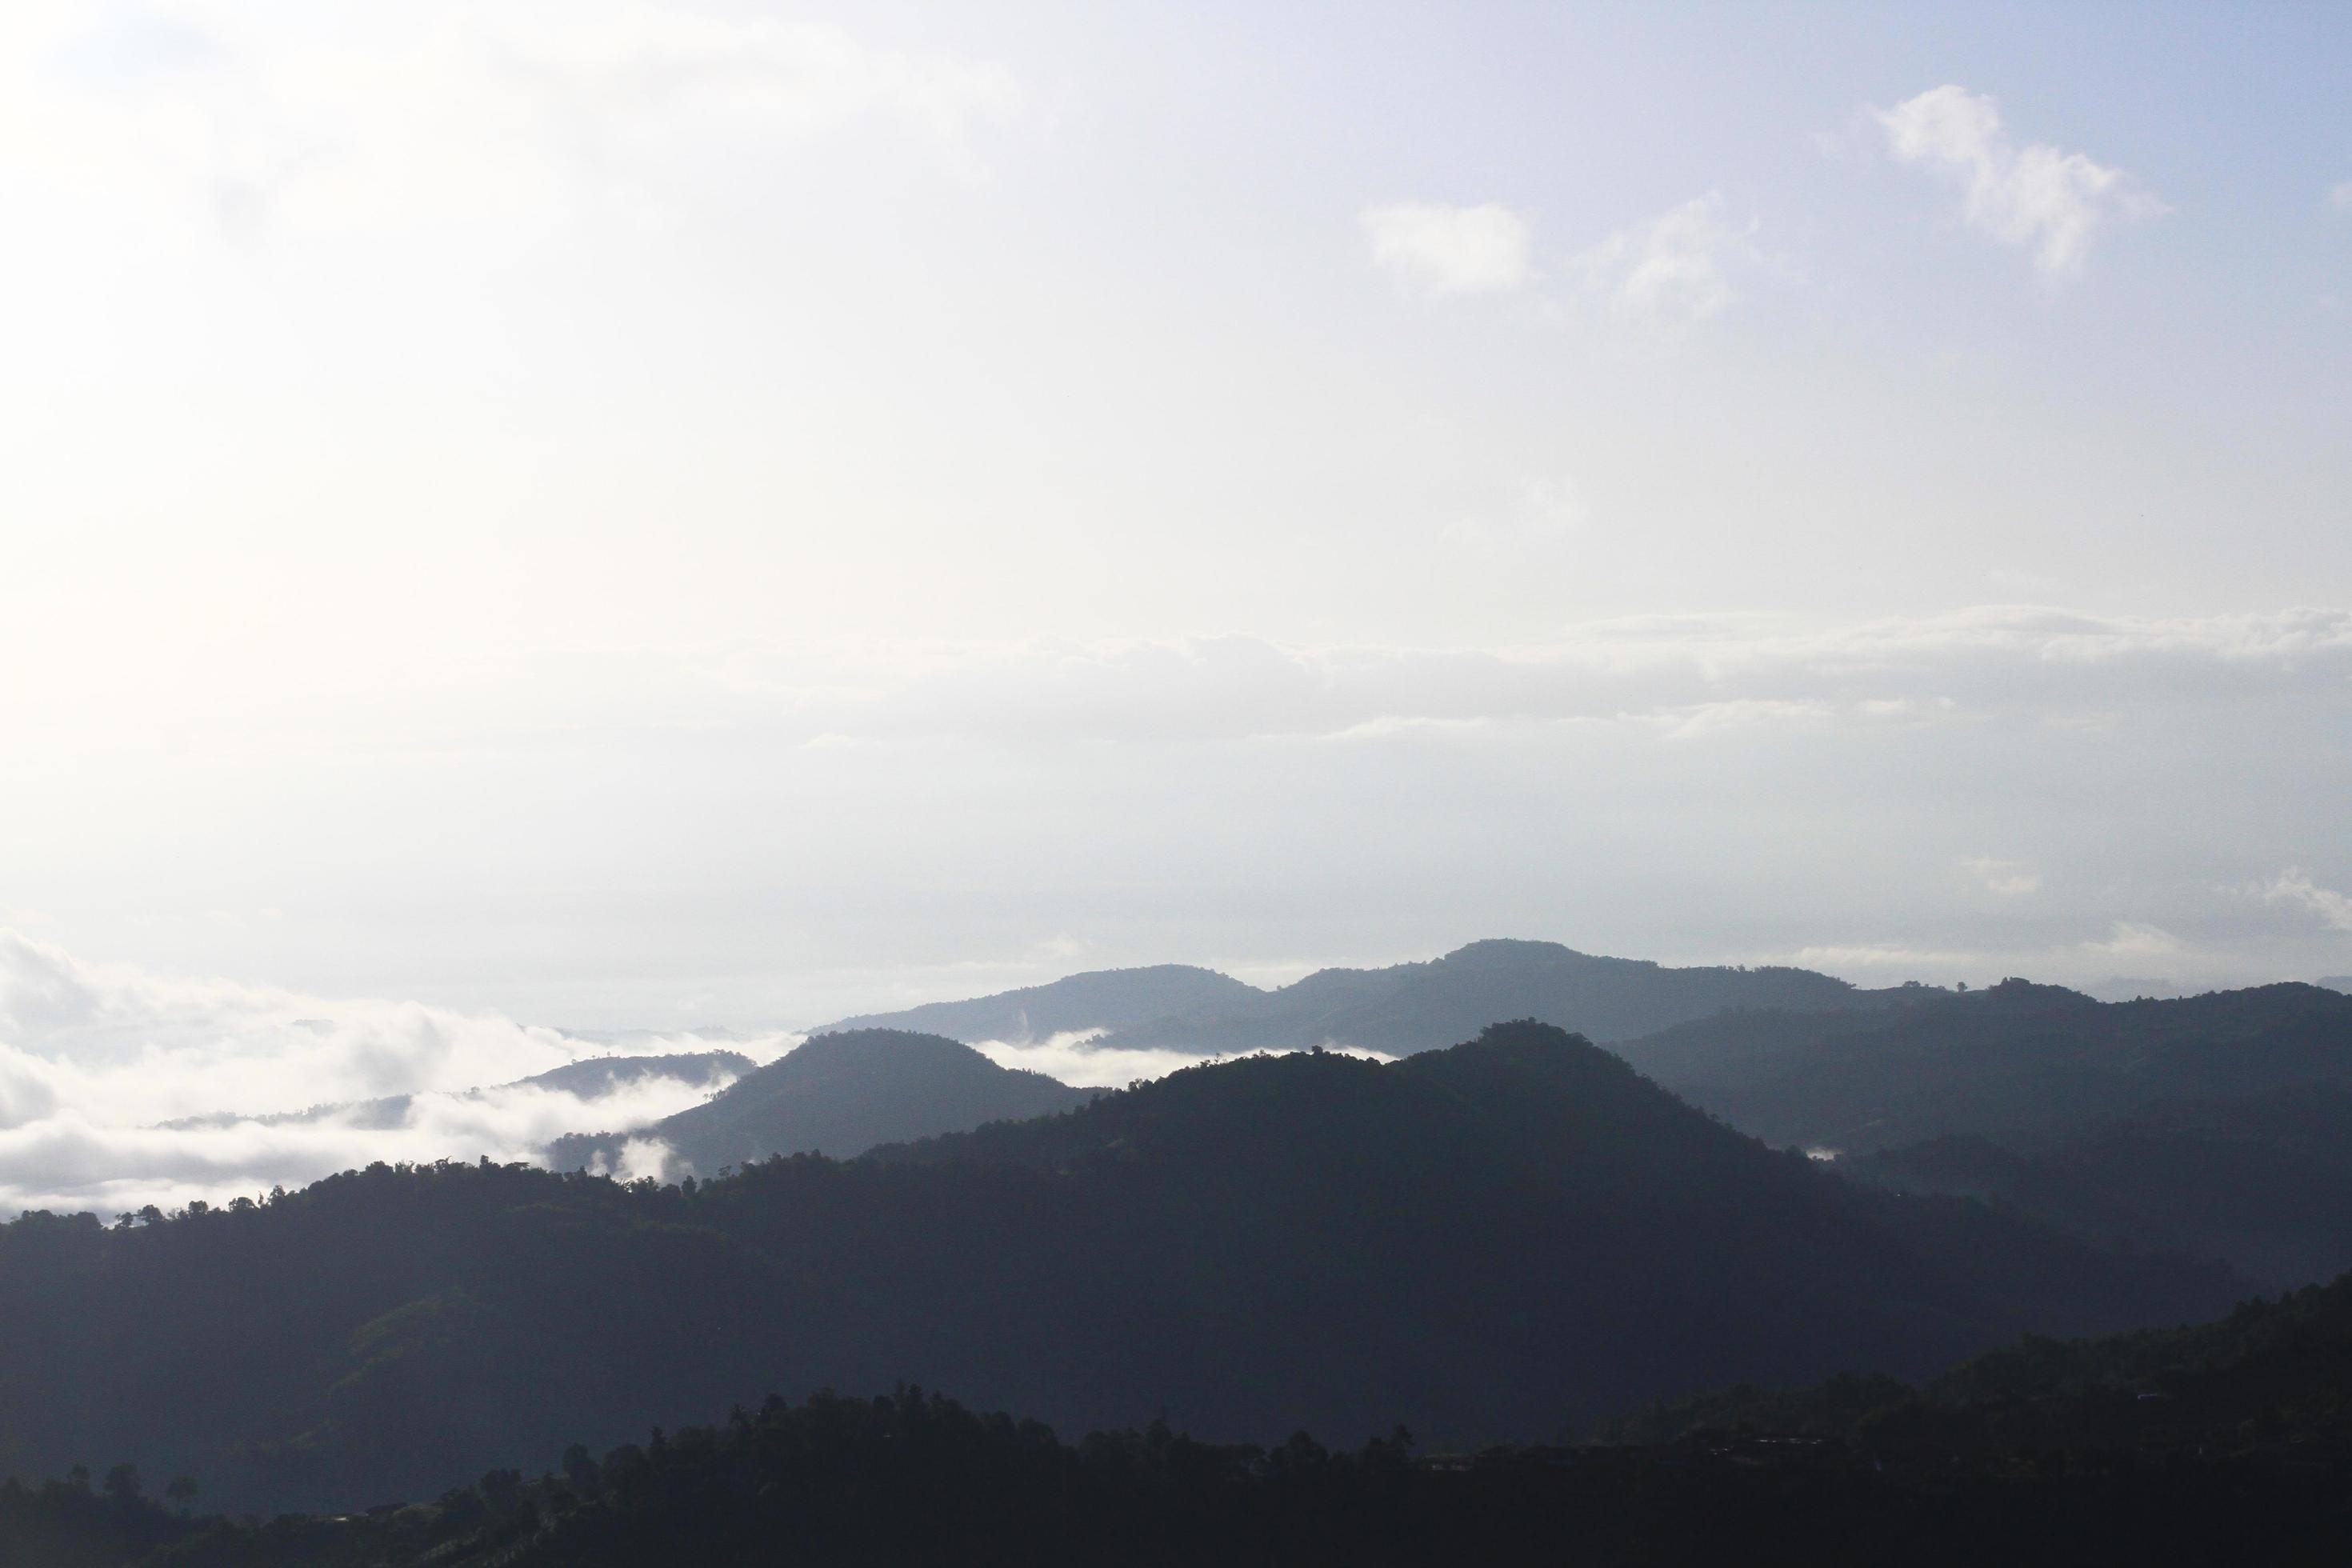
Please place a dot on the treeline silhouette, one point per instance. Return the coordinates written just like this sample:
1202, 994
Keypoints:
2271, 1382
916, 1479
1504, 1241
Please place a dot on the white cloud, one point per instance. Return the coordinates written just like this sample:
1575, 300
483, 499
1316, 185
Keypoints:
2296, 887
2009, 878
439, 121
2036, 196
643, 1157
1688, 673
1072, 1058
1876, 956
1450, 250
2135, 939
1698, 719
1674, 270
93, 1058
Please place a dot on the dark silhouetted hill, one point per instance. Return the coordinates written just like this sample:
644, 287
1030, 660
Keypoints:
1500, 1241
602, 1075
1098, 999
916, 1479
1398, 1010
2269, 1384
840, 1095
2263, 1182
2012, 1059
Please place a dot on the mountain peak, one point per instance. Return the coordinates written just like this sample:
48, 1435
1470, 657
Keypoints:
841, 1094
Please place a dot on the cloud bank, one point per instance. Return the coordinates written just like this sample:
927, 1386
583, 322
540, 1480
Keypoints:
93, 1059
1682, 675
1072, 1058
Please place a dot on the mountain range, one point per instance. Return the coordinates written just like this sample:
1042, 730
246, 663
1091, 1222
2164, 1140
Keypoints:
2219, 1124
1397, 1010
2012, 1058
1508, 1238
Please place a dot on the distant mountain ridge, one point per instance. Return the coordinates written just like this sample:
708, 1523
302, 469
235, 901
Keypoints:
1398, 1010
2012, 1059
2219, 1124
1098, 999
840, 1095
2264, 1180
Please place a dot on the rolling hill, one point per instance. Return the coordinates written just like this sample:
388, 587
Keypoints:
2263, 1182
1503, 1240
2012, 1059
840, 1095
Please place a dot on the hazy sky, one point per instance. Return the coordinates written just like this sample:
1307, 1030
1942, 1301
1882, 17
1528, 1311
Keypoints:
649, 514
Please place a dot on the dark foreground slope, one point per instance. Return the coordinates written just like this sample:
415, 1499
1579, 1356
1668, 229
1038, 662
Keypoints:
2272, 1383
1501, 1241
2219, 1124
916, 1479
1403, 1008
2230, 1442
840, 1095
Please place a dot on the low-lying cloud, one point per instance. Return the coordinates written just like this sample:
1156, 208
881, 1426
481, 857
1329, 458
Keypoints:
1072, 1058
120, 1088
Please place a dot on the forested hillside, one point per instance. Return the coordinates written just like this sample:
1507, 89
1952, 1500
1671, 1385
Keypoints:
2229, 1442
1502, 1241
2270, 1381
2014, 1058
2263, 1182
915, 1480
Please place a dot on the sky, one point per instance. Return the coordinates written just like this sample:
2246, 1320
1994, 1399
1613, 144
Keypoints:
585, 516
